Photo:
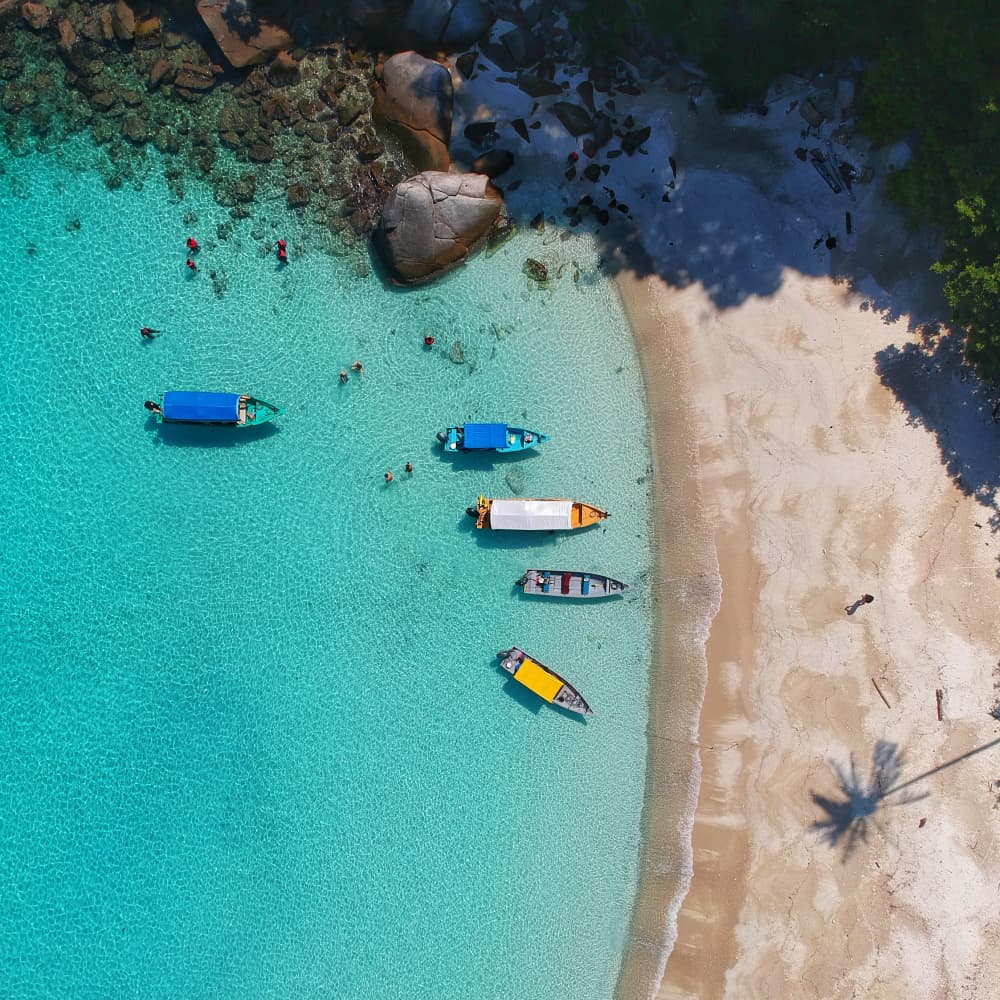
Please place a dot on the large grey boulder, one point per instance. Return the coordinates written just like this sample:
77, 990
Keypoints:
432, 222
426, 24
414, 97
450, 24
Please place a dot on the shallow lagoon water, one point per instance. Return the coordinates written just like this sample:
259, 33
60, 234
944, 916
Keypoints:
255, 740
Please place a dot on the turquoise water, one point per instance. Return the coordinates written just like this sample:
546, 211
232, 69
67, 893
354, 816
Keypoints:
255, 741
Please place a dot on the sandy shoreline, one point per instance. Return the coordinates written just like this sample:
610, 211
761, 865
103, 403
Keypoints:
812, 440
838, 451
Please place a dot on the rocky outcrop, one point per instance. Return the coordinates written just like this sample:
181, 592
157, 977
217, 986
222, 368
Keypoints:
575, 119
414, 97
245, 38
123, 21
493, 162
432, 222
424, 24
36, 15
449, 24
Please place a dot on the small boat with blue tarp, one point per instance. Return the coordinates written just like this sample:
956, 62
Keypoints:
489, 437
543, 681
569, 583
227, 409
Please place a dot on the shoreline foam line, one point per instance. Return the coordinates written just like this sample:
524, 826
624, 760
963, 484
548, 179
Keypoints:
686, 597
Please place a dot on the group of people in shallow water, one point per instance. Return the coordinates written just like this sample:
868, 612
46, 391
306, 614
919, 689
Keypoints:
193, 247
389, 477
356, 366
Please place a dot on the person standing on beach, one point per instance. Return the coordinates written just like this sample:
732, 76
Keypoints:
863, 599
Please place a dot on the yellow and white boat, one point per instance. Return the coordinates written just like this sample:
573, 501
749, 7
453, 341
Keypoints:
544, 682
535, 515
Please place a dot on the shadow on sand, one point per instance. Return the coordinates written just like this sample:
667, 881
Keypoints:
940, 393
849, 818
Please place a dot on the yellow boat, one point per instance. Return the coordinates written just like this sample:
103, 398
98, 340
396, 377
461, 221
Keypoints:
535, 515
544, 682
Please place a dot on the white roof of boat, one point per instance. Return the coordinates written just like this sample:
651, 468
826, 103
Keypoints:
531, 515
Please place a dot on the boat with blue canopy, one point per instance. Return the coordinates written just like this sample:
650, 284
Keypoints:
489, 437
227, 409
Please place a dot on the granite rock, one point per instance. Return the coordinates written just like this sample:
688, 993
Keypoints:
414, 97
432, 222
245, 38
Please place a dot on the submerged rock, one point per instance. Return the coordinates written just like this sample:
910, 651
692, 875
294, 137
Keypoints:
536, 270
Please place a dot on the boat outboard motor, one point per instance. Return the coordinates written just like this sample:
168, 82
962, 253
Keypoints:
472, 512
442, 436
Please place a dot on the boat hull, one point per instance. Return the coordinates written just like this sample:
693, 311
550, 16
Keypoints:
515, 439
535, 514
249, 412
570, 583
543, 681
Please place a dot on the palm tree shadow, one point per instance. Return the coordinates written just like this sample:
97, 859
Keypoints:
849, 819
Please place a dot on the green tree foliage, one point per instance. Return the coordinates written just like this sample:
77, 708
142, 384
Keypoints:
933, 77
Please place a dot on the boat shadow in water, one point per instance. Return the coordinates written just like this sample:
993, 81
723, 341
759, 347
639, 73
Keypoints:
567, 600
208, 436
483, 461
489, 539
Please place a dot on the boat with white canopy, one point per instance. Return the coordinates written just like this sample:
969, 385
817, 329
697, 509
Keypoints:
535, 514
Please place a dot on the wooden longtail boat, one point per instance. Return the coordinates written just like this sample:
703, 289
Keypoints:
543, 681
489, 437
228, 409
569, 583
535, 515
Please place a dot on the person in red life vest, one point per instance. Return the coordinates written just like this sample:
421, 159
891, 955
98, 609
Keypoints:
573, 157
192, 244
428, 341
283, 251
191, 264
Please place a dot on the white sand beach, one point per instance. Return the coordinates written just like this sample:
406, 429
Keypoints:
815, 440
845, 840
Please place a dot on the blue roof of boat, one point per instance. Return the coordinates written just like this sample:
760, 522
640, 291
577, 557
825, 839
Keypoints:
485, 436
202, 407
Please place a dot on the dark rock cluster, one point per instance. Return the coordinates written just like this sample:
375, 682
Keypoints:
237, 108
350, 117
